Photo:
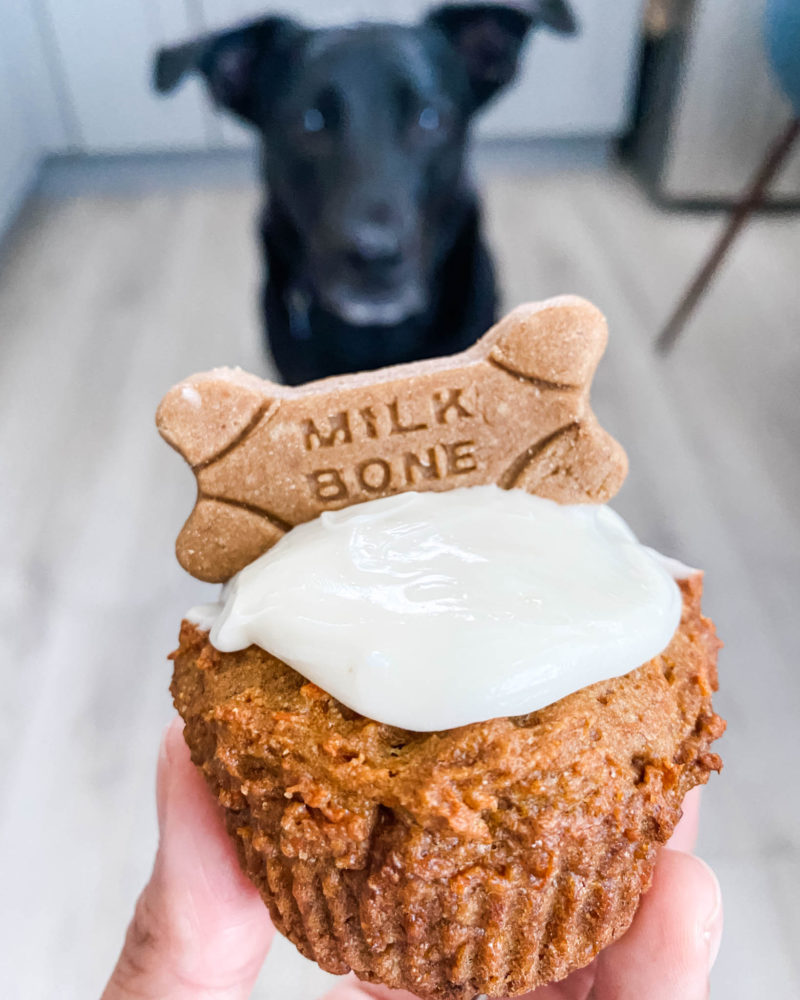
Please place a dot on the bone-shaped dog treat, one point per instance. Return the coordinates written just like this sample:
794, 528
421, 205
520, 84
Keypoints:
512, 410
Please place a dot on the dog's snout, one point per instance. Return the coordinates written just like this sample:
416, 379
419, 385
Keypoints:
375, 246
380, 213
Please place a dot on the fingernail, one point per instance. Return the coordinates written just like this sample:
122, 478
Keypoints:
712, 927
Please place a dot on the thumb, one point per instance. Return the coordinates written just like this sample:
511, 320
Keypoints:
668, 952
200, 928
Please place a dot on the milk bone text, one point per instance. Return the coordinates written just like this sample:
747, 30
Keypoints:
376, 474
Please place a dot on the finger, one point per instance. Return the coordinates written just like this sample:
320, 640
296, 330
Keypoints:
685, 836
352, 989
200, 927
668, 952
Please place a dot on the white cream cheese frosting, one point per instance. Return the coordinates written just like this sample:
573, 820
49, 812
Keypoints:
434, 610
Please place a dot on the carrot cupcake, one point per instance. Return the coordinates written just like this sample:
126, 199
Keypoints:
450, 725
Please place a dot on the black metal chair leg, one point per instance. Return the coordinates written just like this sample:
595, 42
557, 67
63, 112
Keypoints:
750, 201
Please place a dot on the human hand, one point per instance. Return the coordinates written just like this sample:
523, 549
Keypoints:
201, 930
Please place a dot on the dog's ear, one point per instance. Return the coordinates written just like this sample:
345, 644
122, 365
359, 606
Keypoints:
554, 14
489, 37
228, 61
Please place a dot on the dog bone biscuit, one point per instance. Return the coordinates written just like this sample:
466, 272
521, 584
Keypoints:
512, 410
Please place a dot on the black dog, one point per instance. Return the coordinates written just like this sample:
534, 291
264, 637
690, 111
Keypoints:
372, 235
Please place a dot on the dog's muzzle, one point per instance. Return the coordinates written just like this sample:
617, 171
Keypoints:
373, 280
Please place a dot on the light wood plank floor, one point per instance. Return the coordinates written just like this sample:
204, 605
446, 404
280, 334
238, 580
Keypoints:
106, 301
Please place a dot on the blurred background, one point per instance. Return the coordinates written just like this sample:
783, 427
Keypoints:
129, 260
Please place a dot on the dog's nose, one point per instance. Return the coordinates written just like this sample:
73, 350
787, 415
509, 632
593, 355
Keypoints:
375, 247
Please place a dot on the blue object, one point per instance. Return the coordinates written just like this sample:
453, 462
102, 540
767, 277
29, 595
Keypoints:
782, 30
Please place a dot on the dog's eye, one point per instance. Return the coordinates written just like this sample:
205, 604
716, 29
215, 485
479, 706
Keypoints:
429, 119
313, 120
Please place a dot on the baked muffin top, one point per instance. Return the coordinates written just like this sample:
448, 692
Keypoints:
275, 728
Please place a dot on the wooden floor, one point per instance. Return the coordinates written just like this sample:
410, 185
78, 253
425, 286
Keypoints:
106, 301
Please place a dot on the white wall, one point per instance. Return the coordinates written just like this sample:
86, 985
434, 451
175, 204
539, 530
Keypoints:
105, 50
31, 120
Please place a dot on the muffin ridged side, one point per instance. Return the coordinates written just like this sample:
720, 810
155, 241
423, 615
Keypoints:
489, 859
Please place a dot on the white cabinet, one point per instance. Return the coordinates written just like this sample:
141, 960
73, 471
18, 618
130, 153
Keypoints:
31, 122
104, 53
576, 86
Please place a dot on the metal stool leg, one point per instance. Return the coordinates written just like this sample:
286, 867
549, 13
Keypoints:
750, 201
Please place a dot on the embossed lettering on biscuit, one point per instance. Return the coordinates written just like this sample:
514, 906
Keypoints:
512, 410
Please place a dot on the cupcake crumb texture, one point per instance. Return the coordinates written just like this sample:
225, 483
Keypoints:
492, 858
